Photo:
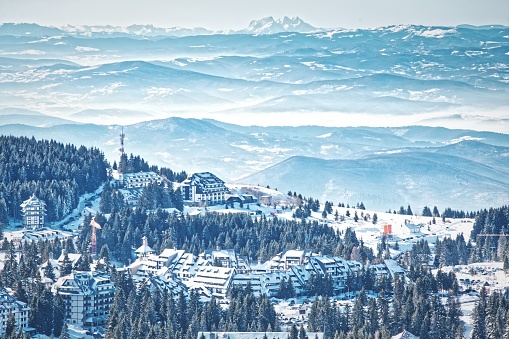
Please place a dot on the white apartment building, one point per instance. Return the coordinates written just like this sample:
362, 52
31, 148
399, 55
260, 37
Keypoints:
211, 281
10, 305
34, 211
140, 179
286, 259
87, 296
203, 187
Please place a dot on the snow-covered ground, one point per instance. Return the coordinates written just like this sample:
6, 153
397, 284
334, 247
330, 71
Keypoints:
367, 231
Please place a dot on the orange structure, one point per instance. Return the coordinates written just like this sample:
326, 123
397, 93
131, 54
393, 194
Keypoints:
387, 229
93, 241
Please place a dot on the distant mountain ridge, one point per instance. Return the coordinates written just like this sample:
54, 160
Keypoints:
267, 25
453, 77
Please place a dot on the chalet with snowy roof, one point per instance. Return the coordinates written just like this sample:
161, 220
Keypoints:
72, 257
182, 265
405, 335
10, 305
131, 195
34, 212
142, 269
140, 179
271, 282
49, 271
242, 199
413, 228
88, 211
394, 268
87, 297
203, 188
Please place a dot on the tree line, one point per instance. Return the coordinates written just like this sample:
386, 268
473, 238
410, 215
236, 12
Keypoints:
141, 313
257, 239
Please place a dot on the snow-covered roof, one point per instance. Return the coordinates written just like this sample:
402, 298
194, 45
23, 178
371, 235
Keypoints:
33, 201
250, 335
393, 267
404, 335
145, 248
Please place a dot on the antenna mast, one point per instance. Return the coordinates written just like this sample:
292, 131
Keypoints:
122, 136
121, 149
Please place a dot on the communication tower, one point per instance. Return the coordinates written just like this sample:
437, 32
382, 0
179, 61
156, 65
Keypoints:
122, 137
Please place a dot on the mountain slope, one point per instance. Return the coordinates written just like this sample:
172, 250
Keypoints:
385, 182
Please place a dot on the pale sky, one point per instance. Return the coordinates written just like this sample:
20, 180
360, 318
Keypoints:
236, 14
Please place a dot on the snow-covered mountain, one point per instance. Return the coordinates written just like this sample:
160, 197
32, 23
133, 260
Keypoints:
267, 25
270, 26
390, 180
436, 76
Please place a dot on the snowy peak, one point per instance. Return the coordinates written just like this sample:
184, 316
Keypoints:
270, 26
266, 25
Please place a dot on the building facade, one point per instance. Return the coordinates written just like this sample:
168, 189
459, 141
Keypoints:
34, 212
140, 179
203, 188
11, 306
87, 296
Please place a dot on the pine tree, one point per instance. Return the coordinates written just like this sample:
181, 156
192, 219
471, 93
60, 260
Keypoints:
479, 330
64, 332
294, 333
66, 267
302, 333
506, 327
10, 329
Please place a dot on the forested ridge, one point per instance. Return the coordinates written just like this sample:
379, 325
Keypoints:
258, 239
56, 173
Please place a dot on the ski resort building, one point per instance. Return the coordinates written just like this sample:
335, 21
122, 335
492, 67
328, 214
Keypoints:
203, 188
87, 296
140, 179
215, 272
242, 199
34, 212
211, 281
10, 305
335, 267
289, 258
